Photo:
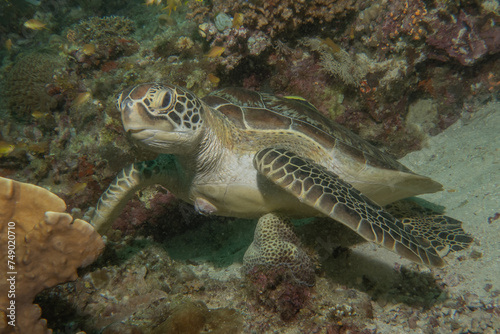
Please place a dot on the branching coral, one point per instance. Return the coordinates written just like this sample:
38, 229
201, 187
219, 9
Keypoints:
46, 246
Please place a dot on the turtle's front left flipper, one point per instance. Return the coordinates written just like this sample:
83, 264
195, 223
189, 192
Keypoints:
139, 175
326, 192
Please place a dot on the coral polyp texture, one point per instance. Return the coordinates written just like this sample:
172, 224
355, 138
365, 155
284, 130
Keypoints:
276, 247
49, 246
25, 86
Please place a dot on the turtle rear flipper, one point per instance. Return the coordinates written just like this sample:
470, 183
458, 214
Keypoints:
326, 192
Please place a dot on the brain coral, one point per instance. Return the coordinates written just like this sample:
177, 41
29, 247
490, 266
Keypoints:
25, 86
275, 245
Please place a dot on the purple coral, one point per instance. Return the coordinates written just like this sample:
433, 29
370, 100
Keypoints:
459, 36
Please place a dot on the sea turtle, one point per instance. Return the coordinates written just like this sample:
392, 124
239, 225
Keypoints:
242, 153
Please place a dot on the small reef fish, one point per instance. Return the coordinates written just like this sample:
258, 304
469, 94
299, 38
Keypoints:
35, 24
172, 5
334, 46
6, 148
77, 188
81, 99
299, 99
88, 49
351, 33
152, 2
37, 114
238, 20
213, 78
216, 51
8, 44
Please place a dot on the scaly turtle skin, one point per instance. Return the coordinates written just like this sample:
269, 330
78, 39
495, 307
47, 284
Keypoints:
245, 154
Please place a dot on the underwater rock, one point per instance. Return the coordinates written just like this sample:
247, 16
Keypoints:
422, 115
188, 318
223, 21
459, 36
272, 289
192, 317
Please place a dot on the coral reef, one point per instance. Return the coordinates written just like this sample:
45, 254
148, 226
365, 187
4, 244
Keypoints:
276, 246
260, 24
46, 248
101, 29
463, 36
98, 41
25, 86
338, 62
164, 296
395, 72
236, 43
281, 16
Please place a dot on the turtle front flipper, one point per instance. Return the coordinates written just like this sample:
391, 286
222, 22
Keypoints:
326, 192
162, 170
444, 233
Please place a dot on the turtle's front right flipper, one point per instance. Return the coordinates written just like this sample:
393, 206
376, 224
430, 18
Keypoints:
314, 185
139, 175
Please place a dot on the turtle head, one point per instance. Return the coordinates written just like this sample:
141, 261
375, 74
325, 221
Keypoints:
164, 117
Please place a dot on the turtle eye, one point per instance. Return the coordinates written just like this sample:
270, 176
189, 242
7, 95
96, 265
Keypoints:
127, 103
167, 98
